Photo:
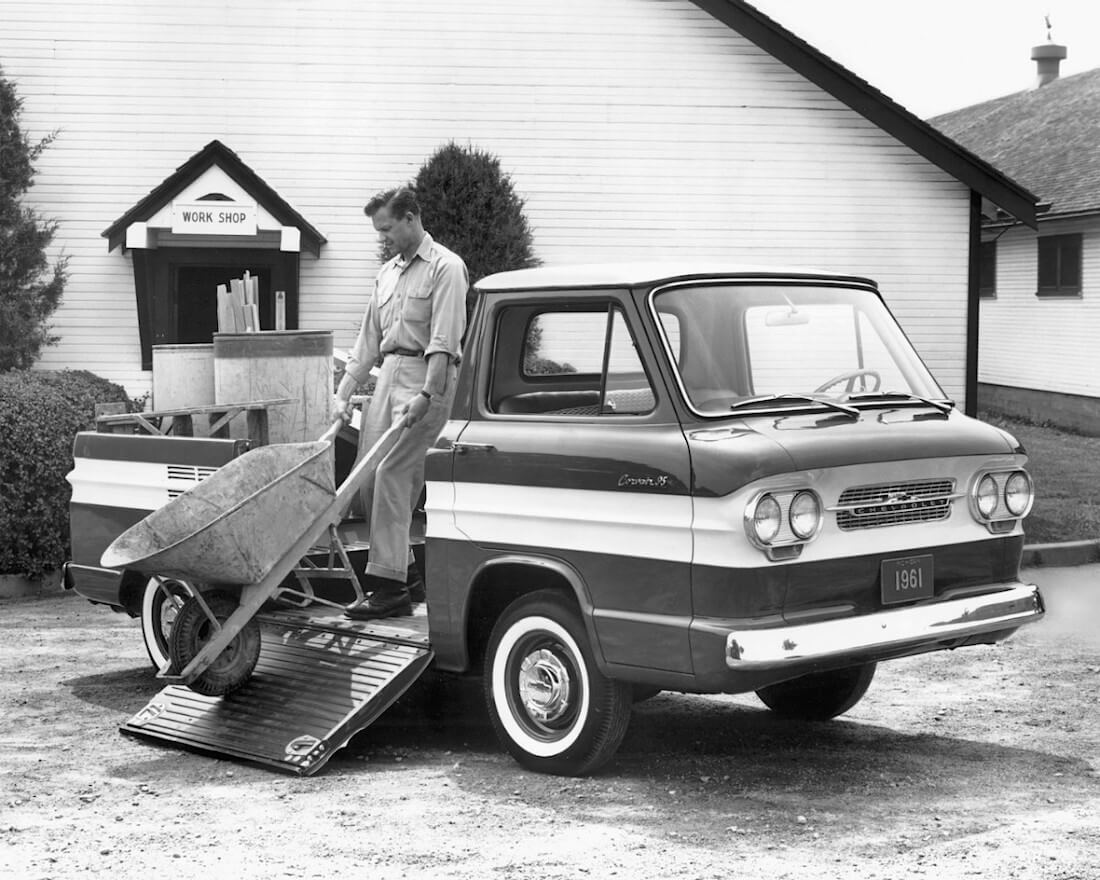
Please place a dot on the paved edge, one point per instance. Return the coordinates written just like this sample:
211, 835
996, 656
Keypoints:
14, 586
1069, 553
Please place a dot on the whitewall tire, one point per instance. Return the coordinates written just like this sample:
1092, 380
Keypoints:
549, 704
160, 603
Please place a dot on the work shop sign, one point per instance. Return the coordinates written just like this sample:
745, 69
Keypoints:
213, 218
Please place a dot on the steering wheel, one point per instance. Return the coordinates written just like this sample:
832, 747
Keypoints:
850, 377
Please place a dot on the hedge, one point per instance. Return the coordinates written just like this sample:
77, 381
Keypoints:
40, 414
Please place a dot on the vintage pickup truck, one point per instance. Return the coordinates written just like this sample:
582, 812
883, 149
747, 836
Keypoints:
705, 479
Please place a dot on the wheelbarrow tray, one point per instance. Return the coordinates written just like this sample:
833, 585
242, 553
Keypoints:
234, 526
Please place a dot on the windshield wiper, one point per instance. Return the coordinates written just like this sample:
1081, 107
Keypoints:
764, 399
944, 406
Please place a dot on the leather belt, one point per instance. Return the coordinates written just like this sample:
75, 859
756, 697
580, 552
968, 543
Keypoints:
406, 352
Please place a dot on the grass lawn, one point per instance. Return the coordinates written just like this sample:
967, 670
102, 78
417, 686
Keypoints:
1066, 471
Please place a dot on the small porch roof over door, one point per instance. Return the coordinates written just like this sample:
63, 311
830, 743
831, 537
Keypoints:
214, 175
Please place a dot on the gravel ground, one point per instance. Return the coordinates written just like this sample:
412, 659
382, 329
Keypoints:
979, 763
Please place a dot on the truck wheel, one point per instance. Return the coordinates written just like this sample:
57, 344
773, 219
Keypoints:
550, 706
193, 629
819, 696
160, 603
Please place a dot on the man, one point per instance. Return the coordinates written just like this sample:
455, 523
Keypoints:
414, 322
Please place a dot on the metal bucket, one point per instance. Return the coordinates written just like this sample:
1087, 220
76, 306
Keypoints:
234, 526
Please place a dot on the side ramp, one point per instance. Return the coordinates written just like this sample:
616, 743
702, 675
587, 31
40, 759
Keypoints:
319, 680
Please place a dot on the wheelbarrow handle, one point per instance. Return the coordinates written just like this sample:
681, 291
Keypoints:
333, 430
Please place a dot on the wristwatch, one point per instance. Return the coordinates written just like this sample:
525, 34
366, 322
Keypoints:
425, 394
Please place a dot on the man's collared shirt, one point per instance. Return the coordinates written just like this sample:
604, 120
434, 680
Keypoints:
417, 305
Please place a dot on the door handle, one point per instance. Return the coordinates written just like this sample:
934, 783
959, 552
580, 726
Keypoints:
463, 448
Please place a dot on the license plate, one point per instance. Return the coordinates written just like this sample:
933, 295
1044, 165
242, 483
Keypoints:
904, 580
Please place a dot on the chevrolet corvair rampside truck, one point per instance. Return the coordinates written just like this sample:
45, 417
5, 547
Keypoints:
694, 478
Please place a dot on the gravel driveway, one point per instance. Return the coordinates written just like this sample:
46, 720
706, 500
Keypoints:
979, 763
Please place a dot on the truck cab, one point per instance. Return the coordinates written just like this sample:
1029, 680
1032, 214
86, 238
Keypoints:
705, 479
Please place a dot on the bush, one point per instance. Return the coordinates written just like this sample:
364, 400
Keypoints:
39, 417
469, 205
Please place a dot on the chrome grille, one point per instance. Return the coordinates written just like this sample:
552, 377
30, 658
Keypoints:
891, 504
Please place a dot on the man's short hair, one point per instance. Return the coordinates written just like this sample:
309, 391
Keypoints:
399, 201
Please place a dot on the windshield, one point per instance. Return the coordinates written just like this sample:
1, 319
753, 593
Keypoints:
730, 343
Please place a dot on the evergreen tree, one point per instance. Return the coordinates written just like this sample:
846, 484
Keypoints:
30, 289
469, 205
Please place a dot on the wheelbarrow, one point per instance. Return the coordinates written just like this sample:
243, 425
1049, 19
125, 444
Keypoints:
242, 531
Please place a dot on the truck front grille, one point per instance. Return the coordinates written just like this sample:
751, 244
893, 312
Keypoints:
891, 504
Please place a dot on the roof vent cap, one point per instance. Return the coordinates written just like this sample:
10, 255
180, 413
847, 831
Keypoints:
1047, 57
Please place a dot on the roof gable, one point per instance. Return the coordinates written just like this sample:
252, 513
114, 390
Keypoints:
1045, 137
215, 157
874, 106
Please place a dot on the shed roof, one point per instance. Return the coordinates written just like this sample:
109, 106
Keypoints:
1046, 138
939, 149
215, 153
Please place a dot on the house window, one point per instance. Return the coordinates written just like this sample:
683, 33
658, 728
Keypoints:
987, 269
1060, 265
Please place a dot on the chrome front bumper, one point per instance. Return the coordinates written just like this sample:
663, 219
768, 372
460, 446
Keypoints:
954, 619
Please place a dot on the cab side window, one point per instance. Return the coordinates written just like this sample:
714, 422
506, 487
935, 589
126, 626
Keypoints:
579, 361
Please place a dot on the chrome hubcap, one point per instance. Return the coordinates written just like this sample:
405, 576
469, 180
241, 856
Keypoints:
544, 686
170, 604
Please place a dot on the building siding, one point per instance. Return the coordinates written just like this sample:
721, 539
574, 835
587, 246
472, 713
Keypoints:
632, 128
1042, 343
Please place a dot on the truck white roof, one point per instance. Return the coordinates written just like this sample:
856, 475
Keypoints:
633, 274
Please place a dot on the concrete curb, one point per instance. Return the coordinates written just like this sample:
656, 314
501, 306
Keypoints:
1056, 555
13, 586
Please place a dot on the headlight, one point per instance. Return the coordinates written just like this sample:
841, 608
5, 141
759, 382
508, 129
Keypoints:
766, 519
985, 496
1018, 493
805, 515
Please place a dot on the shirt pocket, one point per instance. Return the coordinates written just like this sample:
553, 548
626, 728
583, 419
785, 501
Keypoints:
418, 304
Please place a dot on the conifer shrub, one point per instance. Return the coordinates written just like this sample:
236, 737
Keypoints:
30, 289
469, 204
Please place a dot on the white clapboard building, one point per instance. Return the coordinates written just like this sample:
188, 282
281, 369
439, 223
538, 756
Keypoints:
198, 140
1040, 313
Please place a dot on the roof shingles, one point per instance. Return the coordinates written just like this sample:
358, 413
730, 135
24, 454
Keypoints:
1046, 138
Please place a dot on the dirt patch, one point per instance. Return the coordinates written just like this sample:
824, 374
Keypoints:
979, 763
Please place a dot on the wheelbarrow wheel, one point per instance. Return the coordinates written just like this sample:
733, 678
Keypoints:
192, 629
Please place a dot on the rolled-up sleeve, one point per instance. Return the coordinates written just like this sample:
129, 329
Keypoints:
450, 282
364, 352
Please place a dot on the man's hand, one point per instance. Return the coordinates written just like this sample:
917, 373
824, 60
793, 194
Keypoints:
415, 410
341, 408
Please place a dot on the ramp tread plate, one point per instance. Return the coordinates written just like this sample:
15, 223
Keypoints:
317, 683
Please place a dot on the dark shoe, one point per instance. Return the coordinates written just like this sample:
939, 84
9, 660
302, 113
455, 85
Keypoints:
415, 584
381, 603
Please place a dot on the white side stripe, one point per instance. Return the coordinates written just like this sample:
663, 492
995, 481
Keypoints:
133, 485
642, 525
